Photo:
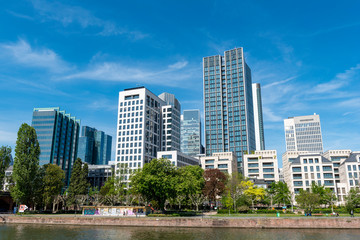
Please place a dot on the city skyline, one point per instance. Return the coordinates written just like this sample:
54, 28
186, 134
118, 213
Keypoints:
80, 58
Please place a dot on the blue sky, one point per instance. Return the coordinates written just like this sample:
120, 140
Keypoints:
79, 54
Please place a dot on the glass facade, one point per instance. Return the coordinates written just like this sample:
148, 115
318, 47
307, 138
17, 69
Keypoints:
58, 135
258, 117
191, 133
94, 146
229, 116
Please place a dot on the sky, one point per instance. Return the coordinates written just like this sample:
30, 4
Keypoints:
78, 55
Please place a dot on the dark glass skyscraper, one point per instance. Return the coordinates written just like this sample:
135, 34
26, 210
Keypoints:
191, 133
58, 135
94, 146
229, 116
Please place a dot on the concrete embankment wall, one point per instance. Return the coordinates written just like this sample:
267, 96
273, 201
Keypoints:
339, 223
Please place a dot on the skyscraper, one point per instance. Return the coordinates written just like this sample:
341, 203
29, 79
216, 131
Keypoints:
138, 128
303, 133
58, 135
94, 146
170, 137
229, 116
258, 117
191, 133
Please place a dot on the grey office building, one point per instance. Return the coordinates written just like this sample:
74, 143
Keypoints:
170, 137
94, 146
229, 116
191, 133
58, 134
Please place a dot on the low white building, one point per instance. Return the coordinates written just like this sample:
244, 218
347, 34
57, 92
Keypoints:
338, 170
178, 159
261, 165
224, 161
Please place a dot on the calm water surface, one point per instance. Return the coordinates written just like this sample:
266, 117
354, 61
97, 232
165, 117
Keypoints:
55, 232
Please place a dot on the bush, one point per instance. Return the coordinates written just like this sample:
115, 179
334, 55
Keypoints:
225, 211
157, 215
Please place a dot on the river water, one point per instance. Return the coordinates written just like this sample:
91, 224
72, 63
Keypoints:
60, 232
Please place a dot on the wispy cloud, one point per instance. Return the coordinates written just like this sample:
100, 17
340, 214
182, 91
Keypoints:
22, 53
56, 11
172, 75
20, 15
279, 82
340, 80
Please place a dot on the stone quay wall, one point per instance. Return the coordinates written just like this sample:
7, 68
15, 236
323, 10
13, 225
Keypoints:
243, 222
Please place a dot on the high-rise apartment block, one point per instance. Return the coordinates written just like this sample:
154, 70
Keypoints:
224, 161
170, 122
258, 117
228, 101
303, 133
191, 133
94, 146
58, 134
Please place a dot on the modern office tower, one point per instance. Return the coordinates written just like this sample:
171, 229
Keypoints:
191, 133
262, 165
229, 116
170, 139
58, 135
98, 174
224, 161
178, 159
258, 117
303, 133
138, 128
94, 146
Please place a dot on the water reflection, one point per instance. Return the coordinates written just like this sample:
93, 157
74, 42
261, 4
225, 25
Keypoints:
56, 232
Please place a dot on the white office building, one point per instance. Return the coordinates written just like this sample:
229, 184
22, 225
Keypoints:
303, 133
138, 128
258, 117
262, 165
224, 161
178, 159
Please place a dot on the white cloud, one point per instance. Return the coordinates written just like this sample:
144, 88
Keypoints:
22, 53
173, 75
340, 80
279, 82
56, 11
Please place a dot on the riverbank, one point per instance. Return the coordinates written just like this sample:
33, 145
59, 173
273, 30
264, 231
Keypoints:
212, 222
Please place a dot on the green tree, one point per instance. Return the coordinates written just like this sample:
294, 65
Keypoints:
235, 187
228, 201
255, 194
352, 199
79, 184
156, 181
282, 193
190, 182
26, 172
53, 183
5, 158
308, 200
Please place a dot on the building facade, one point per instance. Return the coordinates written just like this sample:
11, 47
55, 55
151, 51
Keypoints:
258, 117
303, 133
224, 161
139, 127
262, 165
338, 170
170, 136
98, 174
228, 105
58, 135
191, 133
94, 146
178, 159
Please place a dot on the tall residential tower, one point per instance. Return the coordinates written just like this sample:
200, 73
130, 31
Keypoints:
229, 116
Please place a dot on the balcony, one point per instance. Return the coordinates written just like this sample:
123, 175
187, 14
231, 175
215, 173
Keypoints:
296, 169
298, 183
